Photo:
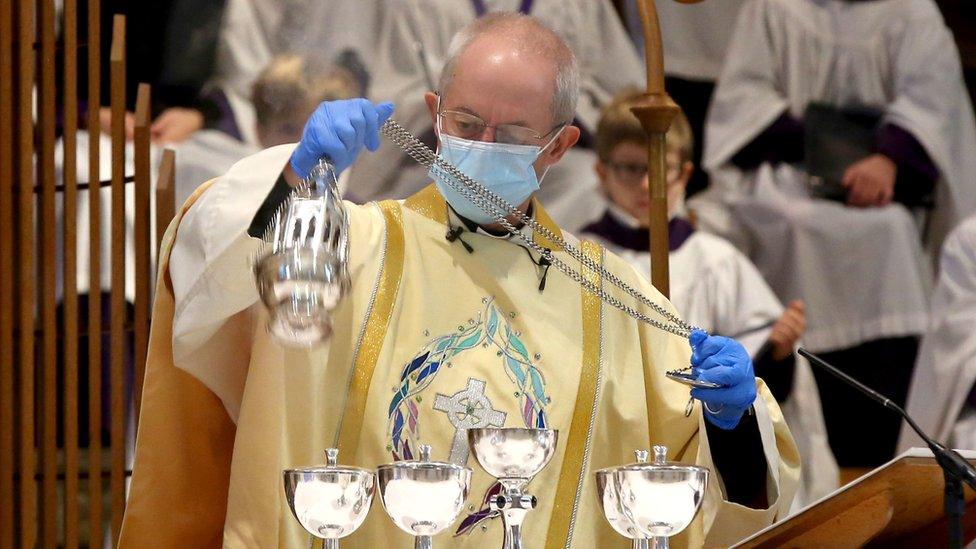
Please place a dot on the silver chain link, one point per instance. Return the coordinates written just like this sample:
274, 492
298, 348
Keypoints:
499, 208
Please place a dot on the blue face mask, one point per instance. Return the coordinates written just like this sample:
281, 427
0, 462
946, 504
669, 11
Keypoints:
503, 168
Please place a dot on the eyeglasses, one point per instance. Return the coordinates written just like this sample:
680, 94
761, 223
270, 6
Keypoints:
630, 173
469, 126
633, 173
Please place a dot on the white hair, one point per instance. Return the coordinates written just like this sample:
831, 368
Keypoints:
529, 34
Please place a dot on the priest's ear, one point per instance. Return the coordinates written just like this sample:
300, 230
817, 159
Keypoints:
563, 142
431, 99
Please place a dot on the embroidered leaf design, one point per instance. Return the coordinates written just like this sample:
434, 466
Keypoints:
398, 397
537, 389
527, 413
469, 342
445, 343
540, 420
519, 347
412, 416
414, 364
428, 370
397, 428
492, 323
516, 369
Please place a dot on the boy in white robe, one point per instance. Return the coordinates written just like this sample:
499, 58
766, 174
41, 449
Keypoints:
941, 398
859, 266
713, 285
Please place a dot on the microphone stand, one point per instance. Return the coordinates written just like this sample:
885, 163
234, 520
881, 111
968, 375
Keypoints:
955, 468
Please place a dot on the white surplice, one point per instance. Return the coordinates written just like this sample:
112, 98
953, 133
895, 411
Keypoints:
946, 367
203, 156
82, 235
861, 271
694, 37
715, 287
608, 63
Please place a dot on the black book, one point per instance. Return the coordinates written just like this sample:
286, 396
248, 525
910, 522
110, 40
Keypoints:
834, 139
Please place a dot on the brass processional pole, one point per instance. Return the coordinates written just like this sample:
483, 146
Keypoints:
656, 110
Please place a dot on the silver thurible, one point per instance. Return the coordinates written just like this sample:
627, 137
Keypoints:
302, 272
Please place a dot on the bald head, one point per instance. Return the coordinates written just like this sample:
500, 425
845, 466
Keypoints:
508, 39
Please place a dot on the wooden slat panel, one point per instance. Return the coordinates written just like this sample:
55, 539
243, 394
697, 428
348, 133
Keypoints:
70, 301
25, 282
7, 145
47, 265
165, 195
94, 289
142, 240
117, 321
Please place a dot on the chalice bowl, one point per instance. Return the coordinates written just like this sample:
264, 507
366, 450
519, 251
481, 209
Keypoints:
513, 456
330, 501
423, 497
650, 502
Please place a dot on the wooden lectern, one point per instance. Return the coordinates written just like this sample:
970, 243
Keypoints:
897, 505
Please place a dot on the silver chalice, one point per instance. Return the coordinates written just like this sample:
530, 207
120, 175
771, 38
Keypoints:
513, 456
650, 502
423, 497
330, 501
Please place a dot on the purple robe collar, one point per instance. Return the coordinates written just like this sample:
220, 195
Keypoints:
612, 229
480, 8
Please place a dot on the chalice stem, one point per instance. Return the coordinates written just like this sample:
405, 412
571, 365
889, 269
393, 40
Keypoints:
331, 543
423, 542
513, 536
639, 544
659, 542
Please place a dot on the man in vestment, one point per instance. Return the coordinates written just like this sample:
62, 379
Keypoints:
887, 69
713, 285
447, 326
608, 62
942, 398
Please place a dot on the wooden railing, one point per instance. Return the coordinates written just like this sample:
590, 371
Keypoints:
55, 488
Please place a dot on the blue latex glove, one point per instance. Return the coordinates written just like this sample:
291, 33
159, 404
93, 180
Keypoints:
338, 130
724, 361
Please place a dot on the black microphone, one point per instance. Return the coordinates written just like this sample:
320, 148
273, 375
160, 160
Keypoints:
455, 234
955, 467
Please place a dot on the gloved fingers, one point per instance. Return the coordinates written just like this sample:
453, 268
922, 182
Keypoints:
371, 118
696, 337
384, 111
729, 376
737, 397
347, 134
709, 346
716, 361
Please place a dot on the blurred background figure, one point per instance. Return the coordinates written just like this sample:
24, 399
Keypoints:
832, 124
942, 398
695, 39
412, 47
284, 95
713, 285
203, 56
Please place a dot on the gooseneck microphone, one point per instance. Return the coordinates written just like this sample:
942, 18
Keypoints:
955, 468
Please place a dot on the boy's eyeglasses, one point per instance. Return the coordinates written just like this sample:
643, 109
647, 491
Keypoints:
631, 173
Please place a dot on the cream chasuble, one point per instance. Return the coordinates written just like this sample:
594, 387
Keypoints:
431, 339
